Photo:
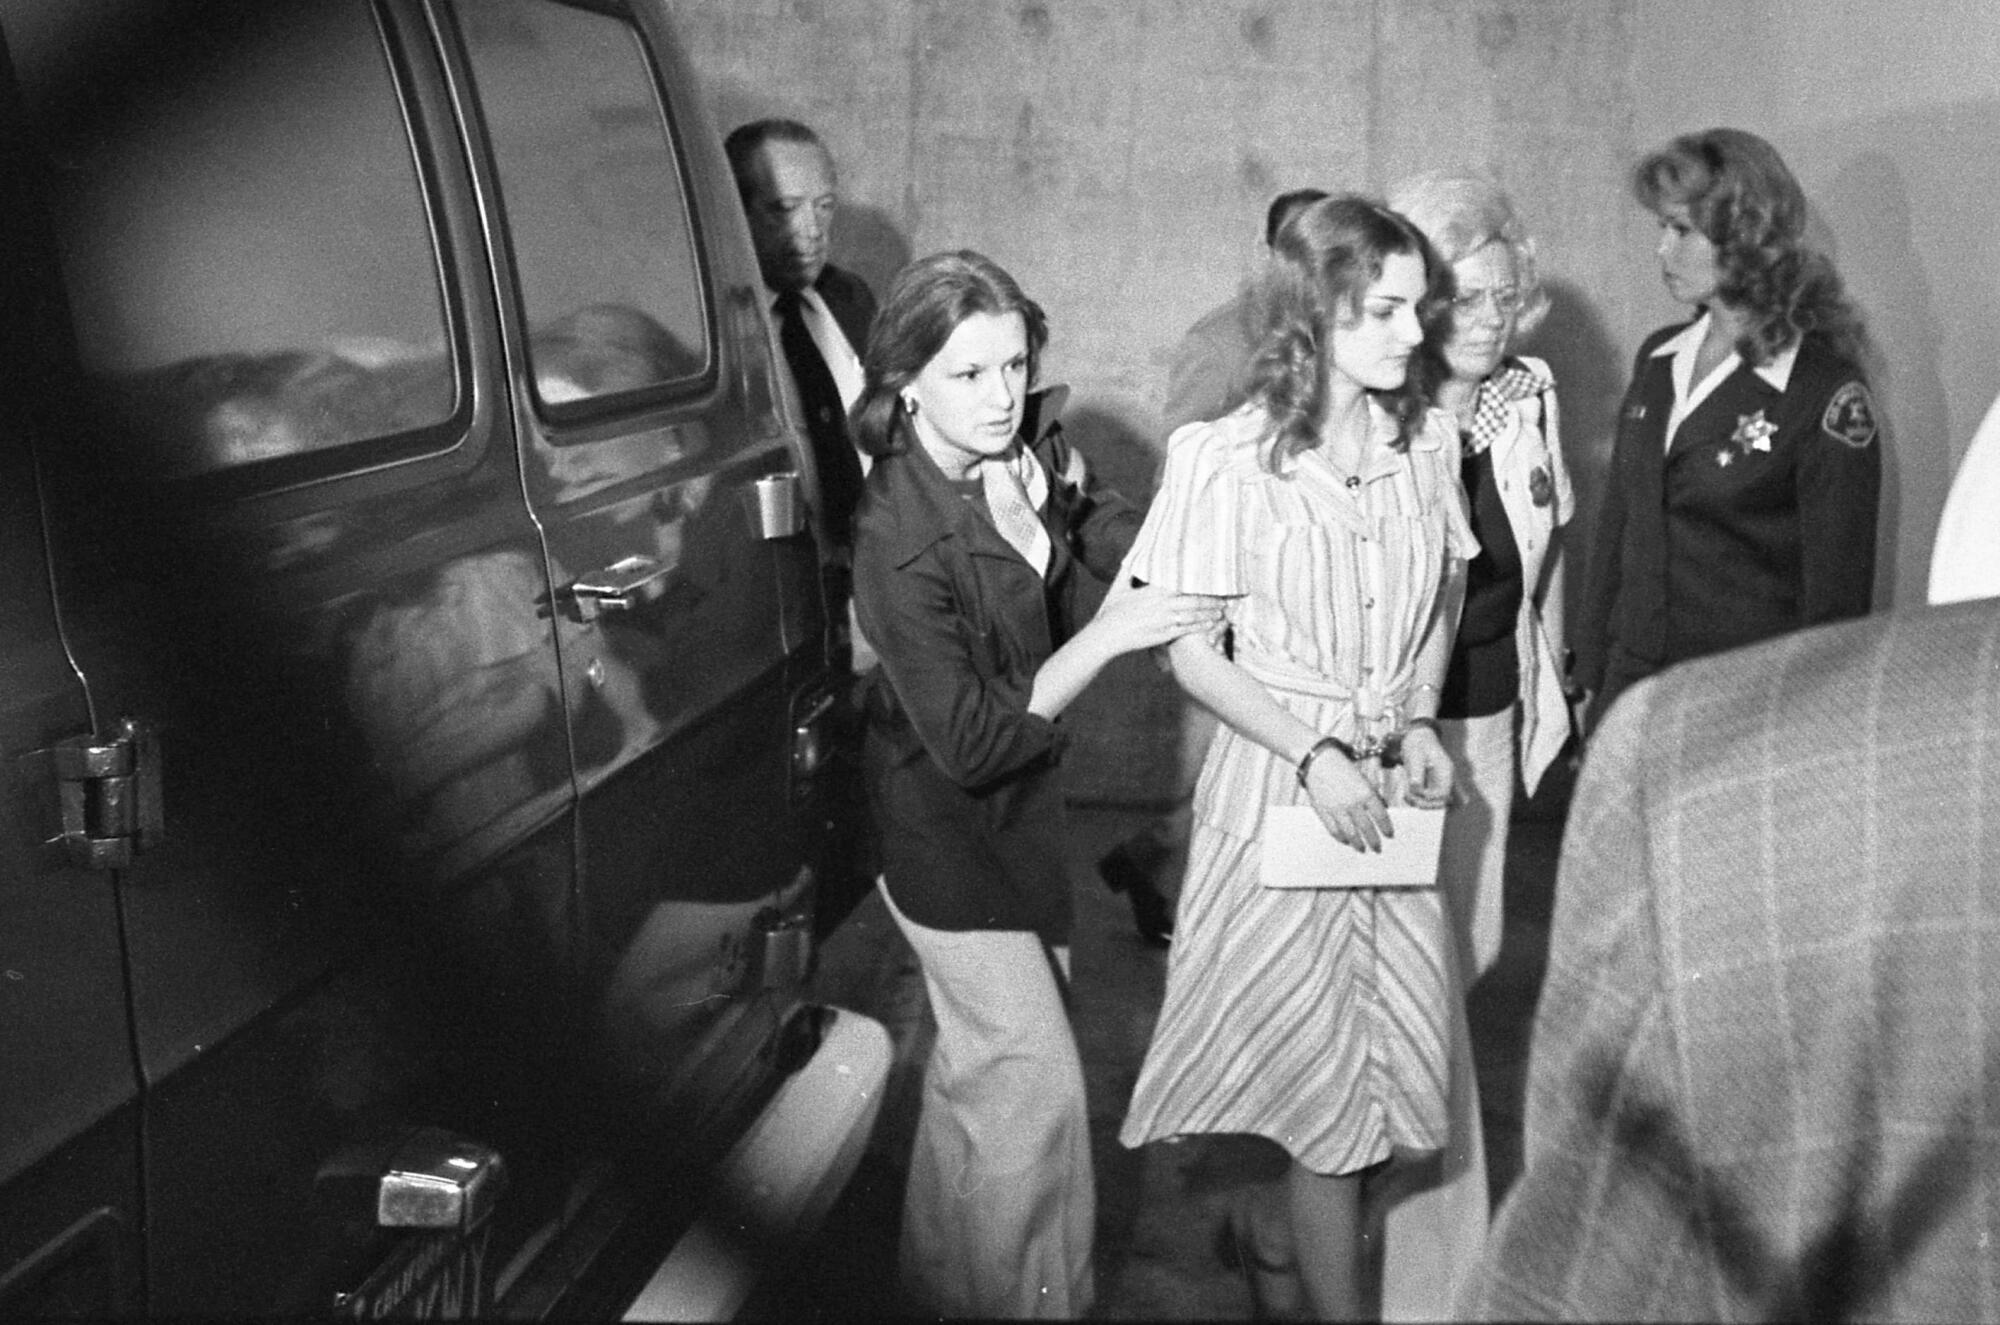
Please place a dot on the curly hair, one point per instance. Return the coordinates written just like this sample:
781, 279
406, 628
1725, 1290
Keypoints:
1461, 214
1328, 254
1744, 199
926, 302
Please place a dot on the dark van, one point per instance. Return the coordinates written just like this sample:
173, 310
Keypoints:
414, 676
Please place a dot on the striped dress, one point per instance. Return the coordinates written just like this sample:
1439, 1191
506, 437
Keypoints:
1318, 1018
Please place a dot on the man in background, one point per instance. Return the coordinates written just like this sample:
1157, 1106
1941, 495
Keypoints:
785, 177
1205, 379
1765, 1080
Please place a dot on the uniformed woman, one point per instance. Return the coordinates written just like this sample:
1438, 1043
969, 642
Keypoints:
1742, 496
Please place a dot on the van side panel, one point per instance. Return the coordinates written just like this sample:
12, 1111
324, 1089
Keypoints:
69, 1128
289, 534
693, 829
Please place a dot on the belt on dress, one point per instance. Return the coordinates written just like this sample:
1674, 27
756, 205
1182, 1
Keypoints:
1372, 706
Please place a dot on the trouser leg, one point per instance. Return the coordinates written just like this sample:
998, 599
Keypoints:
999, 1213
1472, 864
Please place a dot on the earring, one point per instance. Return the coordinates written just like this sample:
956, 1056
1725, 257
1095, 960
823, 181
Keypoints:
910, 406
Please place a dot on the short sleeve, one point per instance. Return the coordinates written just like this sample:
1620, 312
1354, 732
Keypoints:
1460, 543
1189, 542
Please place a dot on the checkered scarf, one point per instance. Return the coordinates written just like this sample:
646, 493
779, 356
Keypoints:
1511, 382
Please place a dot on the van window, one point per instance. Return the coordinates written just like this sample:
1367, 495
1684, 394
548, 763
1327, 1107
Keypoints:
244, 237
594, 199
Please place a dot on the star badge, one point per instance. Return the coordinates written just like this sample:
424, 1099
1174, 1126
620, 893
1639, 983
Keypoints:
1753, 432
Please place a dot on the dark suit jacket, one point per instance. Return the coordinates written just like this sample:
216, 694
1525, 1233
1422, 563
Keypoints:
1759, 520
1765, 1080
848, 298
962, 778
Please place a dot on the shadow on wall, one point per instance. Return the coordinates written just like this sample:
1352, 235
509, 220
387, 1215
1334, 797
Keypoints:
1905, 346
1125, 731
1591, 373
867, 242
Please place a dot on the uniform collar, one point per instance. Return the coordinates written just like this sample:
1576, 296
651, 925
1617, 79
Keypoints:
1687, 338
1777, 373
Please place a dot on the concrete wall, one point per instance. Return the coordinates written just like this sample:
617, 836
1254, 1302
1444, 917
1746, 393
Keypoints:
1117, 156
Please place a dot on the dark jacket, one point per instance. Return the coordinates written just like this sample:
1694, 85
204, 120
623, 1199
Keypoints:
1760, 520
962, 778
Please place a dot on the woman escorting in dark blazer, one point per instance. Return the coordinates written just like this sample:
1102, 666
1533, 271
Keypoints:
966, 552
1742, 497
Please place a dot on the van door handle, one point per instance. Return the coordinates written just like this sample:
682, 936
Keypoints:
776, 506
619, 587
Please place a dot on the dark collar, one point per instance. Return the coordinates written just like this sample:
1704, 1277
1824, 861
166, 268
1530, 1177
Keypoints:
912, 505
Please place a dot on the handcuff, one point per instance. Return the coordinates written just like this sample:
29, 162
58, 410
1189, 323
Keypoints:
1387, 749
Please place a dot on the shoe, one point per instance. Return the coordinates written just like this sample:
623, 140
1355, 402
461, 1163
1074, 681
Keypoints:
1151, 914
1237, 1251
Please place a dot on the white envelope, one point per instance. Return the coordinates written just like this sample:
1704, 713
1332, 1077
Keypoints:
1299, 852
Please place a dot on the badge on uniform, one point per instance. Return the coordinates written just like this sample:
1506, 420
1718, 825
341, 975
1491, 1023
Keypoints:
1753, 433
1541, 488
1850, 416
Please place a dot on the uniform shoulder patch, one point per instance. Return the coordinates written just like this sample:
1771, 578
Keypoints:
1850, 416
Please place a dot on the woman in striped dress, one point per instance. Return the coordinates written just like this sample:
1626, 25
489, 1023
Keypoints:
1327, 514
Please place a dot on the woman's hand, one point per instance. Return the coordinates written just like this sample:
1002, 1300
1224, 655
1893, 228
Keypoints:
1145, 616
1427, 769
1347, 802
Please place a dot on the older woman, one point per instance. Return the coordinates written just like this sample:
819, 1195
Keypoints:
1326, 513
1503, 702
1745, 479
1508, 659
968, 550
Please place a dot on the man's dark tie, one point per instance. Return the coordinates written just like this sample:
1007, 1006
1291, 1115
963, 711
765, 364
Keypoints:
826, 419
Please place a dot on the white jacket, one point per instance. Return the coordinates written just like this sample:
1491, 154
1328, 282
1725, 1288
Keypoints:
1533, 443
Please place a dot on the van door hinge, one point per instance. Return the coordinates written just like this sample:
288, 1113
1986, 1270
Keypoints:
108, 793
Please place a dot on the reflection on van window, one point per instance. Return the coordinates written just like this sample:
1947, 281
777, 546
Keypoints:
249, 260
594, 201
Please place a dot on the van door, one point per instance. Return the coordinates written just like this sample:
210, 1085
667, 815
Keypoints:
289, 540
667, 490
69, 1127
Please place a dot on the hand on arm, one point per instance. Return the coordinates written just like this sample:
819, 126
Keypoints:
1129, 619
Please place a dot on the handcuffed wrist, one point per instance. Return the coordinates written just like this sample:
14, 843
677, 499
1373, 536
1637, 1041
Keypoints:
1320, 747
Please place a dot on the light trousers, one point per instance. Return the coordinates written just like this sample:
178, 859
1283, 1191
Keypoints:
1438, 1211
1472, 864
1000, 1209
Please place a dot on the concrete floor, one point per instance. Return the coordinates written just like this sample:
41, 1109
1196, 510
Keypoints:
1158, 1207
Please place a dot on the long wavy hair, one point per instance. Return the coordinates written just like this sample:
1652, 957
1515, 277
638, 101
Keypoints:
1328, 254
1740, 194
926, 302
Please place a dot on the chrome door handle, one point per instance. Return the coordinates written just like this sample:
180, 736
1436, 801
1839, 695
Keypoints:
776, 506
619, 587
